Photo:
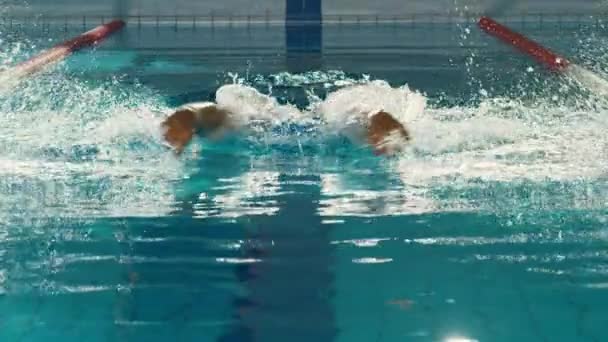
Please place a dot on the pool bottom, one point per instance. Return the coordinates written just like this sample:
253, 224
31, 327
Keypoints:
431, 277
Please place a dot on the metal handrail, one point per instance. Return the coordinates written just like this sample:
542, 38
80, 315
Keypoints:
211, 17
270, 19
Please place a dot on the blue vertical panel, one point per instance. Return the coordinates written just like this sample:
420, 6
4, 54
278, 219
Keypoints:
304, 34
303, 9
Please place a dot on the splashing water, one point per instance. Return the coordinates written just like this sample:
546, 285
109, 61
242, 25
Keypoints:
85, 149
460, 158
473, 152
590, 80
499, 139
71, 148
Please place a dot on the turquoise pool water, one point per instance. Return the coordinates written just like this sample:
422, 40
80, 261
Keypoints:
491, 228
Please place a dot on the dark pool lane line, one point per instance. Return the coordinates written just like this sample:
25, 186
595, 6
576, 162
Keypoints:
289, 293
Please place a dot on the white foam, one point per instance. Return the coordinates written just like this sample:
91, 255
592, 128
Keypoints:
507, 148
247, 104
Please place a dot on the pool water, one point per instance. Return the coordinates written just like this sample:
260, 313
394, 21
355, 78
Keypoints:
491, 227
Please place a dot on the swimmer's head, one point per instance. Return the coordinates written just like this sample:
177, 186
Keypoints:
385, 134
180, 127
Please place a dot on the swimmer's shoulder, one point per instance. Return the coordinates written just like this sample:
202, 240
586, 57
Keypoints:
197, 106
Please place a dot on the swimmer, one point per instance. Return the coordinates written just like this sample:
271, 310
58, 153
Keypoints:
236, 105
373, 114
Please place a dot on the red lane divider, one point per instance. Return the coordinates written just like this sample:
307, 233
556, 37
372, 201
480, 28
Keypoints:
541, 54
66, 48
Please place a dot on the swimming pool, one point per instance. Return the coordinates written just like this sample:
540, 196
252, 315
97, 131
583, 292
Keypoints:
491, 228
